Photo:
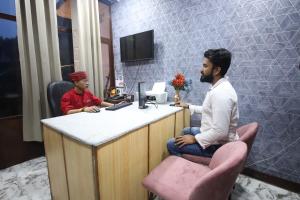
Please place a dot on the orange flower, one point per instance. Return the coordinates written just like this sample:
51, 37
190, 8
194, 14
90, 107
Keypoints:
180, 76
180, 83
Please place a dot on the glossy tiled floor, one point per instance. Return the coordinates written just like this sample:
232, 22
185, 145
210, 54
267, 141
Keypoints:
29, 181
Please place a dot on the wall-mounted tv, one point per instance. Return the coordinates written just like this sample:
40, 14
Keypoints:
136, 47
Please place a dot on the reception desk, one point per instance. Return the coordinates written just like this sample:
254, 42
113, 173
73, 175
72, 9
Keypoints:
106, 155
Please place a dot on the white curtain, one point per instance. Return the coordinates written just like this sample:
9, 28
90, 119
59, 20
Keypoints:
39, 60
87, 42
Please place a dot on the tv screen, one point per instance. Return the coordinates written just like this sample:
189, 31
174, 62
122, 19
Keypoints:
136, 47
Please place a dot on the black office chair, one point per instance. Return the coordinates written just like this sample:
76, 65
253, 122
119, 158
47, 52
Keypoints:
55, 91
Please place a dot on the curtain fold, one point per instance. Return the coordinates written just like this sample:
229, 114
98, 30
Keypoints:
39, 60
87, 42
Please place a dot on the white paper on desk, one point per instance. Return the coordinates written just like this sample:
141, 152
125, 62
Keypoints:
158, 87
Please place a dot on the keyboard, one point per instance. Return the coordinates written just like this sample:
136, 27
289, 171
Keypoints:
118, 106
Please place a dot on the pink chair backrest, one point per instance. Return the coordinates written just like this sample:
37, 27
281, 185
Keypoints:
225, 165
247, 133
232, 152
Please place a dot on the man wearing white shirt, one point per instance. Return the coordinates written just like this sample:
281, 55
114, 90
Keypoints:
219, 110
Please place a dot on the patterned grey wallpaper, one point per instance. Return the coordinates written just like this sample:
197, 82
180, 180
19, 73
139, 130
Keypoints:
264, 36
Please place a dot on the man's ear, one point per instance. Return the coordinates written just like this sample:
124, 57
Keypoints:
217, 71
75, 83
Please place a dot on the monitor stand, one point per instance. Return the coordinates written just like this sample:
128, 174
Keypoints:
142, 98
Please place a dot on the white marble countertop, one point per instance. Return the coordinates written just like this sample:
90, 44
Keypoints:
98, 128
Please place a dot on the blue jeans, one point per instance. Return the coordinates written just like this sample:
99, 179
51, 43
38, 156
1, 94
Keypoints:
193, 149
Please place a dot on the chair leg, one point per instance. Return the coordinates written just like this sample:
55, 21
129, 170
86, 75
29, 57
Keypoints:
151, 196
229, 197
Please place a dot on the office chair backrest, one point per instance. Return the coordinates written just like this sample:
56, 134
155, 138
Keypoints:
55, 91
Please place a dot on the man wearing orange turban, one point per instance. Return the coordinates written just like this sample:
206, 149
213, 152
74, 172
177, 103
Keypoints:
80, 99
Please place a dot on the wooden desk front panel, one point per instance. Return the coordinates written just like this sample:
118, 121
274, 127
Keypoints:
80, 170
159, 133
187, 118
183, 119
122, 165
54, 150
179, 125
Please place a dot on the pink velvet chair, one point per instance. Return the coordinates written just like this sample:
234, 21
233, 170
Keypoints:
176, 178
246, 133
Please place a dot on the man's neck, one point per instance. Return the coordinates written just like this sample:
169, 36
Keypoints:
216, 79
78, 90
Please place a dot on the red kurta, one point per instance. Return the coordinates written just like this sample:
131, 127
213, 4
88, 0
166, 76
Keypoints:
72, 100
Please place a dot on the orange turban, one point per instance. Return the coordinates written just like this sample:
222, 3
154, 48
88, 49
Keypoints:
77, 76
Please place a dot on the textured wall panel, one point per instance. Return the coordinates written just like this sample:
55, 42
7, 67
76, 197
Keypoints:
264, 37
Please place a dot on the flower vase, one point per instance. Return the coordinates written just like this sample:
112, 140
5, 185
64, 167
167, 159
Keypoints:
177, 97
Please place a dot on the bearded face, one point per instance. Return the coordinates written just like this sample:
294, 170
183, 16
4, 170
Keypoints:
207, 71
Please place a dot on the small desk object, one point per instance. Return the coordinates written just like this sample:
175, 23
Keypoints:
106, 155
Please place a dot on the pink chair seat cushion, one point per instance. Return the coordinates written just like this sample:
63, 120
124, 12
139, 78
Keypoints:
175, 178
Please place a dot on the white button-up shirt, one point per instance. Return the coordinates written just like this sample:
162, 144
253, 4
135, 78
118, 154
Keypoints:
219, 115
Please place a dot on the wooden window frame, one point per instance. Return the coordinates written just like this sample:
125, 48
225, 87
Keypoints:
7, 16
109, 42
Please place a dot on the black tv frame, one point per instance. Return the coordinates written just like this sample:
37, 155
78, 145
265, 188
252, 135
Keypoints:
134, 60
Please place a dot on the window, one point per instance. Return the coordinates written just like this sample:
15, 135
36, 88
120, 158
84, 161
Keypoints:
8, 7
10, 73
64, 24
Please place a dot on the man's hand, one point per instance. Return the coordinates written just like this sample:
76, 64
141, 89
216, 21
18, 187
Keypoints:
180, 141
91, 109
182, 104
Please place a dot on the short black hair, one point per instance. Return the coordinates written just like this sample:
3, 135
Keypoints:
219, 57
